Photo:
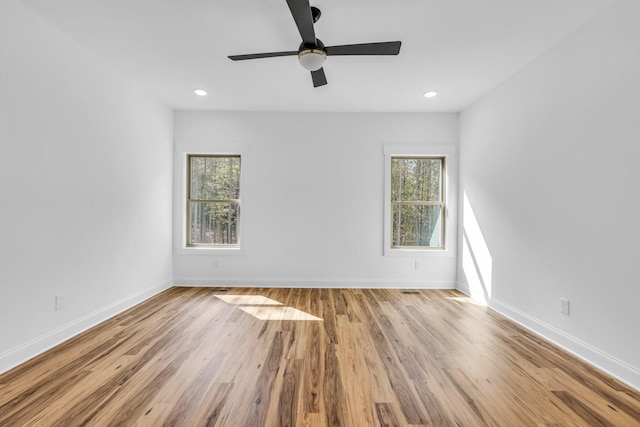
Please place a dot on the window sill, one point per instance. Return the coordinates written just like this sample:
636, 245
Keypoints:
413, 253
210, 251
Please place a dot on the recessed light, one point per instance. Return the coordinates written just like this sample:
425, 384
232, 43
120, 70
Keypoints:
200, 92
430, 94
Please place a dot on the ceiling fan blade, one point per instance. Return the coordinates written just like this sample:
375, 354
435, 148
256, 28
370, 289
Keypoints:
262, 55
301, 11
384, 48
319, 79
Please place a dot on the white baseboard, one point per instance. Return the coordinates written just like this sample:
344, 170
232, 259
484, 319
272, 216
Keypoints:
463, 287
20, 354
313, 283
606, 363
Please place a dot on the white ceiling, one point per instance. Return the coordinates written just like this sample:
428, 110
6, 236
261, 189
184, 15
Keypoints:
461, 48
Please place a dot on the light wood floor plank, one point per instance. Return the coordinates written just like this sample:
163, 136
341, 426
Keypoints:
311, 357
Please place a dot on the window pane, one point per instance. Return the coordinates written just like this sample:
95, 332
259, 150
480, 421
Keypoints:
214, 223
215, 178
417, 225
417, 179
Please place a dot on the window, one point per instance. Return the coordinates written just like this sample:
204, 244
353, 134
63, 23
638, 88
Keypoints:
417, 202
213, 200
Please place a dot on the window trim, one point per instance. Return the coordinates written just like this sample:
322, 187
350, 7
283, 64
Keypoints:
447, 153
241, 247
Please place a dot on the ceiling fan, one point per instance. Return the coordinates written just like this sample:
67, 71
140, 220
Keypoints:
312, 52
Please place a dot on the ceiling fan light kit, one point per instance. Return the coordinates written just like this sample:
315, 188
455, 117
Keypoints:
312, 53
312, 59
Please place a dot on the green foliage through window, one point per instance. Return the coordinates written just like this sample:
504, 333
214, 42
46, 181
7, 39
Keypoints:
417, 202
213, 200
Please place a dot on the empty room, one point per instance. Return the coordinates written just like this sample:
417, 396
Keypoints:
294, 213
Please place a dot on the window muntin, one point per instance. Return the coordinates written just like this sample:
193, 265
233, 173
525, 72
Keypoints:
417, 202
213, 200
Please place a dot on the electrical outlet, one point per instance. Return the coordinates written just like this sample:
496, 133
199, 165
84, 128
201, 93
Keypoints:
60, 302
564, 306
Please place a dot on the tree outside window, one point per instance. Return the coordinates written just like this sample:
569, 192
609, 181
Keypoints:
213, 200
417, 202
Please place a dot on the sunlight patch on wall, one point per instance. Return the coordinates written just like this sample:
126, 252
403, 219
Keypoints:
471, 274
263, 308
477, 262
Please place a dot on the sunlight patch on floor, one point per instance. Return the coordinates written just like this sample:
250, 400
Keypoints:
263, 308
247, 300
469, 300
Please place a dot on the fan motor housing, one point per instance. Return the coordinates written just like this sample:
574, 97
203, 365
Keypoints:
318, 46
312, 57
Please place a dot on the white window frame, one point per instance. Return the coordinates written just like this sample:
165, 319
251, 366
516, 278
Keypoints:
241, 247
448, 154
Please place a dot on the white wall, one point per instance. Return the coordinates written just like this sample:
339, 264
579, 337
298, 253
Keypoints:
550, 168
85, 188
314, 198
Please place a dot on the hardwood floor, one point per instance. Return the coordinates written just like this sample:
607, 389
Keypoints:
311, 357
